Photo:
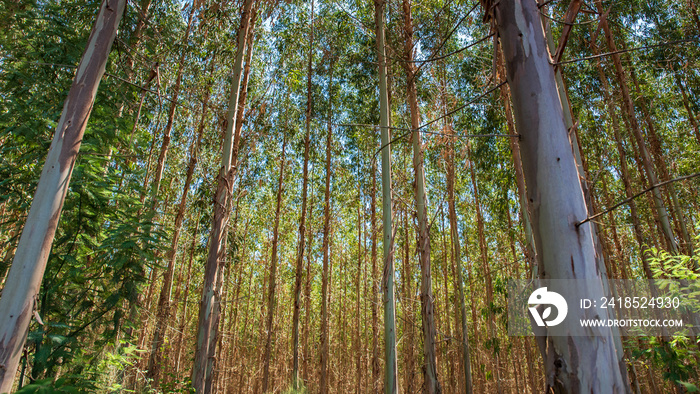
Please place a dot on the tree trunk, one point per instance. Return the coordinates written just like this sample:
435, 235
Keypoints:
210, 307
660, 161
24, 278
272, 282
636, 131
307, 298
457, 255
165, 145
431, 384
302, 221
164, 301
486, 269
390, 367
691, 115
572, 364
375, 288
183, 319
323, 383
407, 292
135, 39
358, 319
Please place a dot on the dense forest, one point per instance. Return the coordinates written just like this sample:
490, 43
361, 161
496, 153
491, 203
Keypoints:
331, 196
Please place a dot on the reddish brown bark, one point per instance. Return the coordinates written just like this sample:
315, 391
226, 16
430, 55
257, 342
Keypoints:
25, 276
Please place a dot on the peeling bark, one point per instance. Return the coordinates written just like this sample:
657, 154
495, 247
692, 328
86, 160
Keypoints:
24, 279
431, 384
572, 364
209, 310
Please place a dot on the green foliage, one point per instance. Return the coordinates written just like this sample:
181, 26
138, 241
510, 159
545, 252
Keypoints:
94, 377
677, 357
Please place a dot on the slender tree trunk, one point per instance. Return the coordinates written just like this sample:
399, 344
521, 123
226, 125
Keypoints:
323, 383
135, 39
358, 317
272, 282
164, 301
186, 296
307, 297
375, 288
165, 145
446, 264
407, 292
486, 268
624, 169
660, 161
431, 384
457, 255
210, 307
566, 251
390, 367
302, 221
636, 131
686, 103
24, 278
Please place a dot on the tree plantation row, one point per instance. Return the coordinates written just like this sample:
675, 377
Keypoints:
264, 196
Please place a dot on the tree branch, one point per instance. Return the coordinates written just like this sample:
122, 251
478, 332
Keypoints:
625, 201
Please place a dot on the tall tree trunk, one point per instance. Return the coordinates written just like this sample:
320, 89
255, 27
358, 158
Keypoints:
135, 39
660, 161
183, 319
582, 169
272, 282
302, 221
323, 383
566, 251
661, 212
375, 288
165, 145
486, 268
29, 263
446, 267
307, 297
358, 317
407, 292
431, 384
529, 249
209, 310
457, 256
390, 367
691, 115
164, 301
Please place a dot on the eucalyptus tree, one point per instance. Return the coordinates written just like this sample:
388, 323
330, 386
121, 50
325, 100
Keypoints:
628, 104
552, 179
209, 309
390, 367
18, 297
325, 337
163, 311
431, 384
272, 281
302, 220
